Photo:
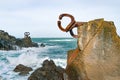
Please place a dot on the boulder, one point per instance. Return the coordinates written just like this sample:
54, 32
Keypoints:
97, 56
23, 70
48, 71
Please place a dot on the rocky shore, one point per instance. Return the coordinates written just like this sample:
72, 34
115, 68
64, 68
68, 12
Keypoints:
48, 71
97, 56
8, 42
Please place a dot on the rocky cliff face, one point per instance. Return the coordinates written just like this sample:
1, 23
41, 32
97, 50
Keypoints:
98, 54
8, 42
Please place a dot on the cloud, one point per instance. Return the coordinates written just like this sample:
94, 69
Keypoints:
40, 17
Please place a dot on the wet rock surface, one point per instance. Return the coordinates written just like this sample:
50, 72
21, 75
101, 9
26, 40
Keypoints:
48, 71
23, 70
8, 42
98, 54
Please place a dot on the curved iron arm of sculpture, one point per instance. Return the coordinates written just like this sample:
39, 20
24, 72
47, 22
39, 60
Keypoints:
72, 34
69, 25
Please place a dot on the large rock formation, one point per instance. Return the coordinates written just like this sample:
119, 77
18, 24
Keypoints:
8, 42
98, 54
48, 71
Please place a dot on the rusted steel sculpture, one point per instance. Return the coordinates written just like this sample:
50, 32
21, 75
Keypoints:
75, 53
26, 34
70, 26
97, 56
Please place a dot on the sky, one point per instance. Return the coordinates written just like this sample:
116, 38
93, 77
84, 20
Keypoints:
39, 17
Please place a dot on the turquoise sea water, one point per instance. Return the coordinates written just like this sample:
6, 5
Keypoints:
55, 49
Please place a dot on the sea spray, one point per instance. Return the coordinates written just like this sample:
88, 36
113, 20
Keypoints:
34, 57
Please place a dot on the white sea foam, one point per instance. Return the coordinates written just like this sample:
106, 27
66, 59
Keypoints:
31, 57
28, 57
61, 40
25, 58
60, 62
32, 60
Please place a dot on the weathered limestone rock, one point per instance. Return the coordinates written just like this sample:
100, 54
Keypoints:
24, 70
98, 54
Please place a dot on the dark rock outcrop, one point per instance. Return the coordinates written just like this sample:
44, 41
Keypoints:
48, 71
26, 42
8, 42
42, 45
98, 54
24, 70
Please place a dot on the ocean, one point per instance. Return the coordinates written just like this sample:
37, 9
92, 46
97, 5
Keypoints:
55, 49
